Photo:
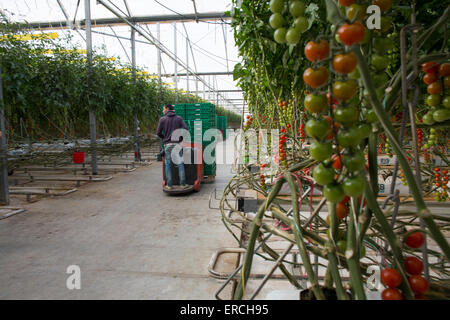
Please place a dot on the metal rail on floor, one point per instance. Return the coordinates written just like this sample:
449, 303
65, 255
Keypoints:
10, 211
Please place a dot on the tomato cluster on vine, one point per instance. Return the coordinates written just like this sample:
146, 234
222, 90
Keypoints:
437, 78
392, 279
295, 21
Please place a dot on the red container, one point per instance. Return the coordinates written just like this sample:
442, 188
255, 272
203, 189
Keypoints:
78, 157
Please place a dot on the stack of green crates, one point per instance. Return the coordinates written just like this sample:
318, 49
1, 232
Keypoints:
201, 117
180, 110
222, 125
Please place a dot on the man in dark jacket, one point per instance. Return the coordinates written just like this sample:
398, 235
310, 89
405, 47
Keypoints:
166, 126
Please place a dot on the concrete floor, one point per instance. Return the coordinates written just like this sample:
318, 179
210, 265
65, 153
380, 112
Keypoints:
130, 240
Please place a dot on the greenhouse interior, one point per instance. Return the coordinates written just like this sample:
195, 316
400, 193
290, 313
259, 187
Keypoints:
265, 150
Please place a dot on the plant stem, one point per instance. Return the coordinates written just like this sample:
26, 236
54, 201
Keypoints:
254, 231
300, 241
331, 252
352, 255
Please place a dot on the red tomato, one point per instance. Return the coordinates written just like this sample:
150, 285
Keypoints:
391, 278
346, 3
391, 294
444, 70
430, 78
341, 210
317, 50
434, 88
418, 284
346, 200
345, 63
413, 265
336, 162
415, 240
430, 67
350, 34
315, 78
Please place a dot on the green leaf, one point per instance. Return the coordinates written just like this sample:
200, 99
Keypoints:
333, 14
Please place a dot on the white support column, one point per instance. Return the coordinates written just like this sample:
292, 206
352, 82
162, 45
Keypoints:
187, 64
4, 187
176, 57
137, 152
158, 34
92, 122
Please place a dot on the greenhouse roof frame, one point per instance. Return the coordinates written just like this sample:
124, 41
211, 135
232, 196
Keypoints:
67, 24
125, 17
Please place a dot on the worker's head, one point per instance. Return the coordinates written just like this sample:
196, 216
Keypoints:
167, 107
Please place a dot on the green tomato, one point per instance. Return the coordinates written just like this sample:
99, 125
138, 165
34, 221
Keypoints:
446, 102
276, 6
349, 138
301, 24
380, 80
354, 187
355, 74
321, 151
292, 36
346, 115
323, 175
356, 12
316, 103
280, 35
383, 45
386, 23
364, 130
276, 20
433, 100
441, 115
297, 8
333, 192
370, 116
354, 161
379, 62
317, 129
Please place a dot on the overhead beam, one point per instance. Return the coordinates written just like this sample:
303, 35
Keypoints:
217, 73
218, 91
62, 24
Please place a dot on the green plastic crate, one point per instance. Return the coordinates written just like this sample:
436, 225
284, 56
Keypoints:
179, 110
209, 169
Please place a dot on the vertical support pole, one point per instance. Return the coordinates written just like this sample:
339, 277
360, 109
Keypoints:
187, 64
137, 152
4, 187
196, 85
158, 32
217, 90
92, 124
176, 64
204, 92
